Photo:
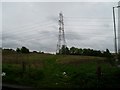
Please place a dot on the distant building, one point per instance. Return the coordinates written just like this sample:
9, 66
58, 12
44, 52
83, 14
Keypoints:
119, 27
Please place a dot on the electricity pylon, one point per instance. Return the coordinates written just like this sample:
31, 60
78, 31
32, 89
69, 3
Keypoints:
61, 36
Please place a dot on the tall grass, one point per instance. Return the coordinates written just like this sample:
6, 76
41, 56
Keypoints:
47, 71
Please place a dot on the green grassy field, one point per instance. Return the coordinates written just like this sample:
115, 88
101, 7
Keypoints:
59, 71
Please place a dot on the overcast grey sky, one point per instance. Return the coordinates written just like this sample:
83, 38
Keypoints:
35, 25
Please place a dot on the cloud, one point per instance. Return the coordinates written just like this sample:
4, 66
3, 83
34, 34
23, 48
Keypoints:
35, 25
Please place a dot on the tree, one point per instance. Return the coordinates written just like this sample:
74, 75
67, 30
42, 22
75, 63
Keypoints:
35, 52
84, 51
67, 51
24, 50
80, 51
107, 53
72, 50
63, 49
18, 50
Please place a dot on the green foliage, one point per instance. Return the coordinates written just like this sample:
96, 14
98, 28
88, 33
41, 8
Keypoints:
8, 51
47, 71
18, 50
22, 50
15, 74
85, 52
107, 53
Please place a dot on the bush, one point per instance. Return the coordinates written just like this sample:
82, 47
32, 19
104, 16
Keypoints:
22, 50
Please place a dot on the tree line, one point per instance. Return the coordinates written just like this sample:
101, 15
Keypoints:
23, 49
84, 52
69, 51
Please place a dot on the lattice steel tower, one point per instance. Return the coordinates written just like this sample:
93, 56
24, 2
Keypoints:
61, 36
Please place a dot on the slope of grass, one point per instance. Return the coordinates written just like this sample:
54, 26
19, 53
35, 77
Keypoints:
50, 71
